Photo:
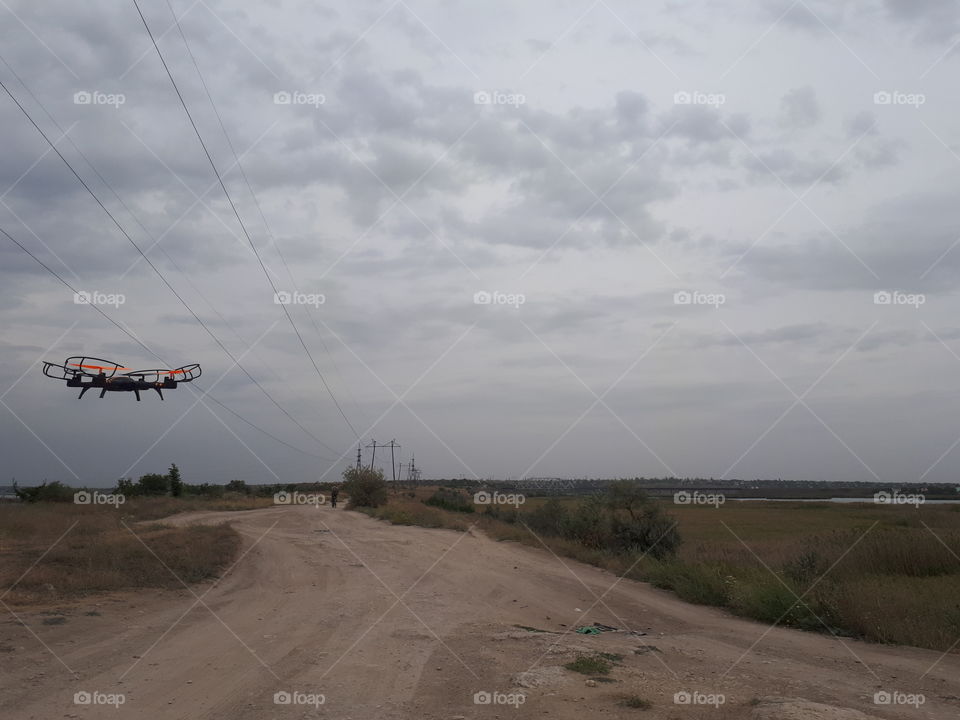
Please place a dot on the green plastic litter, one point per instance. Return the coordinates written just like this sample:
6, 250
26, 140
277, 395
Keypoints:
588, 630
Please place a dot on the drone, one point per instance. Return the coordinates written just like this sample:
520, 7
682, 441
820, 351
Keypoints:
77, 372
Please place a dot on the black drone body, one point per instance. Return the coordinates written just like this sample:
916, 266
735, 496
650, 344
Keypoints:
75, 370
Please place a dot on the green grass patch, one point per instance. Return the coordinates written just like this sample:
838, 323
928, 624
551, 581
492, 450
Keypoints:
590, 665
453, 500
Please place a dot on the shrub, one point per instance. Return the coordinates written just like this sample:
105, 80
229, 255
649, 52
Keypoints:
154, 484
590, 665
624, 521
365, 486
694, 582
238, 486
47, 492
451, 500
636, 702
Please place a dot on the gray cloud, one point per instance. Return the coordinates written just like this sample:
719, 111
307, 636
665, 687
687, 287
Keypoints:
496, 197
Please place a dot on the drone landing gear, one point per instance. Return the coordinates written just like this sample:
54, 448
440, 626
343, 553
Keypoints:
159, 392
83, 391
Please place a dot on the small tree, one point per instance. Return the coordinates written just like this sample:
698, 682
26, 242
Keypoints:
365, 486
47, 492
238, 486
125, 487
154, 484
176, 482
646, 528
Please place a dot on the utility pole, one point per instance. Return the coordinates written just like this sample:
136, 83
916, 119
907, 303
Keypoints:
358, 456
373, 444
413, 472
393, 444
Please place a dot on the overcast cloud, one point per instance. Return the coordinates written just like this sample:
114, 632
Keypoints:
777, 164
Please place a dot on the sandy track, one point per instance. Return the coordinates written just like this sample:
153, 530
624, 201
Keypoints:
398, 622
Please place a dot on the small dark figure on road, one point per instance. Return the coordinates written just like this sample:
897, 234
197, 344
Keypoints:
333, 496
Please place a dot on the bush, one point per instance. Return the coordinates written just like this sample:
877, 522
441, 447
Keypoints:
624, 521
238, 486
365, 486
204, 490
636, 702
694, 582
154, 484
451, 500
590, 665
48, 492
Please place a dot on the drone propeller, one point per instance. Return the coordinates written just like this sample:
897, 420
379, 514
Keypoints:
186, 373
59, 372
158, 375
84, 363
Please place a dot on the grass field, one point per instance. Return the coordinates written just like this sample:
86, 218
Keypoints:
884, 573
52, 552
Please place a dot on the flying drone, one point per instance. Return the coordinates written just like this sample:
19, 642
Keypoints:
77, 372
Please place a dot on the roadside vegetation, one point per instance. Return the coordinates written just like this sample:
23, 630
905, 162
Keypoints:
884, 573
365, 487
60, 543
55, 552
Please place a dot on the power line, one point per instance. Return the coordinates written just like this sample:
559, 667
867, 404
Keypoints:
154, 267
240, 220
256, 201
152, 352
123, 204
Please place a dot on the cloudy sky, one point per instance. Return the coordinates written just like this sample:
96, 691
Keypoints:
541, 239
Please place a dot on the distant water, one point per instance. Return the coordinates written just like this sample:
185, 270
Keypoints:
836, 500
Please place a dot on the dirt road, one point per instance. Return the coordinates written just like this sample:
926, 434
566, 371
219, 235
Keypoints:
384, 622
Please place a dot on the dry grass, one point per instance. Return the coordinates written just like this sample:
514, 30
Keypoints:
407, 508
51, 552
